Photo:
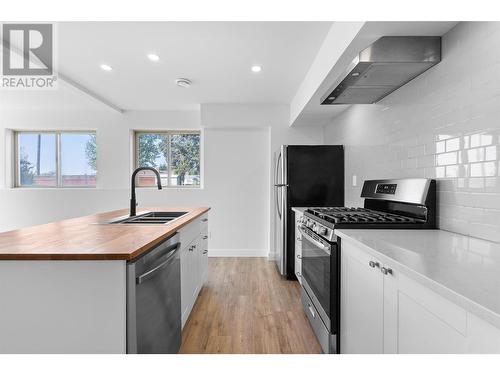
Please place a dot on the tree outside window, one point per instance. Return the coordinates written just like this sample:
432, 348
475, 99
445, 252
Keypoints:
176, 155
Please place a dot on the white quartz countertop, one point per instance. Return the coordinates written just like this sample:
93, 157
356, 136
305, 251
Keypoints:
463, 269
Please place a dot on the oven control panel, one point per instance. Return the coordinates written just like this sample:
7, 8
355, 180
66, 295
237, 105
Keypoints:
386, 189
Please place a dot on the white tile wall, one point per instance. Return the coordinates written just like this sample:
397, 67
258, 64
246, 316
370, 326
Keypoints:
445, 124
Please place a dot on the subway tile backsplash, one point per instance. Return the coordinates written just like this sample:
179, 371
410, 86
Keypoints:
445, 124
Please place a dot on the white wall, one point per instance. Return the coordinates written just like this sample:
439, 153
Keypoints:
445, 125
272, 117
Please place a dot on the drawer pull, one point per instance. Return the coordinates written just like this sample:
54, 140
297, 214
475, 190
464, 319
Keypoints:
298, 274
204, 220
205, 252
205, 237
373, 264
299, 256
386, 271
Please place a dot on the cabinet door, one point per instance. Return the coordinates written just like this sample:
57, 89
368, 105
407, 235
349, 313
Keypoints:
195, 269
417, 320
298, 248
482, 337
361, 314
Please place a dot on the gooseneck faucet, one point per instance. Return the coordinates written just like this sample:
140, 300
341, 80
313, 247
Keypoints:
133, 203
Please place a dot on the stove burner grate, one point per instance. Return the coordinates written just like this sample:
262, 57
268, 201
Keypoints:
351, 215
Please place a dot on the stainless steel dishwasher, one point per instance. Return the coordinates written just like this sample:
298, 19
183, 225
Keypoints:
154, 300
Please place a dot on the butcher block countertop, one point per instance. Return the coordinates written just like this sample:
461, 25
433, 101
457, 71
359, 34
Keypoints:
87, 238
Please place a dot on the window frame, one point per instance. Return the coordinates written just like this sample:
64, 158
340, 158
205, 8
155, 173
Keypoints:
57, 133
169, 132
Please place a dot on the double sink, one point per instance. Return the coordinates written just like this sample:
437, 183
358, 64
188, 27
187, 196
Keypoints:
150, 218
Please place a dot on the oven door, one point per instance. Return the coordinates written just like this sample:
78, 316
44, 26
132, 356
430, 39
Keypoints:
316, 272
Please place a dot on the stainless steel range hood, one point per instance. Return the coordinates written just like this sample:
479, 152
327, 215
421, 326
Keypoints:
386, 65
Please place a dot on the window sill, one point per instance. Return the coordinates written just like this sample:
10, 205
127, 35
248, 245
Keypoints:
171, 187
52, 188
21, 188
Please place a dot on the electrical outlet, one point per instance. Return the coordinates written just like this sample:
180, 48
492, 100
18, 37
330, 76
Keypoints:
354, 180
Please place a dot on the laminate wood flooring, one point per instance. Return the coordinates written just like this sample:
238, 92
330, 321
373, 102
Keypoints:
246, 307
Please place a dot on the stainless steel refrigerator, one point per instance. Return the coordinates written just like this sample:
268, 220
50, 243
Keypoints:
304, 176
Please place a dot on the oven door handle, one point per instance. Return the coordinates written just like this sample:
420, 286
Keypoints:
325, 248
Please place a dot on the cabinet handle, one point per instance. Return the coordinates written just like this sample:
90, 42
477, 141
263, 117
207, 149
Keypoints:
386, 271
204, 220
299, 256
191, 248
298, 274
205, 237
373, 264
205, 252
299, 239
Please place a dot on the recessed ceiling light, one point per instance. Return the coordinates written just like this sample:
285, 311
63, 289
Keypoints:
256, 68
106, 67
153, 57
183, 82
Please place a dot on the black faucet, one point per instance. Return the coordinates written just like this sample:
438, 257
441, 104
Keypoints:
133, 203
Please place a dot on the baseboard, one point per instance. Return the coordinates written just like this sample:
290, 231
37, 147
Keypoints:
243, 253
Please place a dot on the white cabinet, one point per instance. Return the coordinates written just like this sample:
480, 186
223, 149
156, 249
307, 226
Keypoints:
194, 263
361, 302
384, 311
418, 320
298, 247
482, 337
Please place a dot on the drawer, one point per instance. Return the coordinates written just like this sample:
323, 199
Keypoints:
320, 330
189, 232
204, 240
204, 222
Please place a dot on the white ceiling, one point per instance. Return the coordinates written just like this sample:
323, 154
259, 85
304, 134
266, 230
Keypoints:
215, 56
315, 114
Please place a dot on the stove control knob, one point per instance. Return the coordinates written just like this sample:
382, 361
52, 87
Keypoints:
315, 228
322, 231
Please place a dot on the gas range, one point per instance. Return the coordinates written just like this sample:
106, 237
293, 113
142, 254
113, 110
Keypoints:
383, 209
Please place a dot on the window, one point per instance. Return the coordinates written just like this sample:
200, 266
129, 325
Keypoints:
56, 159
175, 154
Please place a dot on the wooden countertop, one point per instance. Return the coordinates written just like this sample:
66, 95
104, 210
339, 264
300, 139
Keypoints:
84, 238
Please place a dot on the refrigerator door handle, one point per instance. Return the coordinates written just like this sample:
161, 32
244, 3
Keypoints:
276, 172
277, 185
278, 205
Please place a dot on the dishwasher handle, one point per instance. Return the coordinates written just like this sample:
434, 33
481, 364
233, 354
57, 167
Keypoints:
141, 278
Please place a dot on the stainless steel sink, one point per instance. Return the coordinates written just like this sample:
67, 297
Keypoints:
149, 218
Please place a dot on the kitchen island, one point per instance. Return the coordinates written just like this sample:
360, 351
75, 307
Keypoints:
63, 286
